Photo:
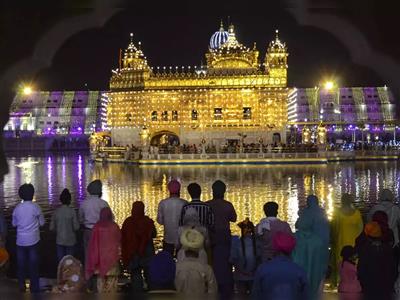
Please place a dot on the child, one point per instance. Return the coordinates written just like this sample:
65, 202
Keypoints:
349, 287
193, 276
243, 257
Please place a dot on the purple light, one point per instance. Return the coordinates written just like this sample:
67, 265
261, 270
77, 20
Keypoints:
79, 128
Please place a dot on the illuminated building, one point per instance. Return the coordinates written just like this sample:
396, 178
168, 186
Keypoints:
354, 113
57, 113
233, 95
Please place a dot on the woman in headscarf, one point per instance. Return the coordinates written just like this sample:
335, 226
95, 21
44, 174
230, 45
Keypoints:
310, 253
346, 224
317, 215
103, 254
138, 232
376, 269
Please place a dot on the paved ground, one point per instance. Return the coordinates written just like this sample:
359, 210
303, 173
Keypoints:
9, 291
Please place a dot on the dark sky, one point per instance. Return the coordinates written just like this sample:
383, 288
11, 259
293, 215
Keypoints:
89, 56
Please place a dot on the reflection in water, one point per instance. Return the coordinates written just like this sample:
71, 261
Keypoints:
249, 187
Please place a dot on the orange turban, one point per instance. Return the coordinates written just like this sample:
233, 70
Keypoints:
372, 229
4, 256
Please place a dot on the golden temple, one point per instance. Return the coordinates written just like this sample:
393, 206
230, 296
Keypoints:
233, 96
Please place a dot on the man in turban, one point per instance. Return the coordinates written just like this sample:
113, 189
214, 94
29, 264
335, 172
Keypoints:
280, 278
168, 215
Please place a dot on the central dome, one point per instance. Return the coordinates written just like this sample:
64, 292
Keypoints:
218, 38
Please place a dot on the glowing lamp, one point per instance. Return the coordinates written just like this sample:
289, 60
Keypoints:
27, 90
328, 85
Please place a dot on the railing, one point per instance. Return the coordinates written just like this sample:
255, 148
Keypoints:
222, 156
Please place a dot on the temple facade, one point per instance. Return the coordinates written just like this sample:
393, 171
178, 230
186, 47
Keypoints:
234, 96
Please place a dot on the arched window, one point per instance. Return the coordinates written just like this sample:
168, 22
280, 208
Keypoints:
174, 115
164, 115
154, 116
194, 114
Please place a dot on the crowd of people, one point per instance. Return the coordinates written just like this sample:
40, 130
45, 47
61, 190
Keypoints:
199, 255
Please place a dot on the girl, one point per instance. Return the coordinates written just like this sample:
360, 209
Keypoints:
349, 286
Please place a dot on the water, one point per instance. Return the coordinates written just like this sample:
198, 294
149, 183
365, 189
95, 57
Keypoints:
249, 187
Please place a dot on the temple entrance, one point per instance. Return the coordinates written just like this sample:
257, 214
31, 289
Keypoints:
165, 138
276, 138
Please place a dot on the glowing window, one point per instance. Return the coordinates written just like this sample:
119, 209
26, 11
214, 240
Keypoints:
194, 114
174, 115
154, 116
246, 113
164, 115
218, 113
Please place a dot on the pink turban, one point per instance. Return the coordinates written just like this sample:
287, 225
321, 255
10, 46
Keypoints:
174, 186
283, 242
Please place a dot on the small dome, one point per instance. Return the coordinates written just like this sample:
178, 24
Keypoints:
277, 45
218, 38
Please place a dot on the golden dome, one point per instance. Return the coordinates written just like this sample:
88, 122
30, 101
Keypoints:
232, 56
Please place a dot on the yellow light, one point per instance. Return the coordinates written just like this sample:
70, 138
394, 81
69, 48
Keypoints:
27, 90
329, 85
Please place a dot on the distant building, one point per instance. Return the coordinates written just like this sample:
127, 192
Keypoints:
57, 113
355, 112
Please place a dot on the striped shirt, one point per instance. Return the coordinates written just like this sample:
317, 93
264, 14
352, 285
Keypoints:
206, 215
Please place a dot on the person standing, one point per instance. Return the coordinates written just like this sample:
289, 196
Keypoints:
3, 230
220, 236
65, 223
392, 210
310, 254
168, 215
89, 212
281, 278
320, 222
138, 232
28, 218
204, 211
104, 252
267, 228
347, 224
244, 257
376, 269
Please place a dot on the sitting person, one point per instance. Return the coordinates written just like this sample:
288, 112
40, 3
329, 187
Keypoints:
280, 278
267, 228
191, 221
349, 287
70, 277
162, 273
192, 276
243, 257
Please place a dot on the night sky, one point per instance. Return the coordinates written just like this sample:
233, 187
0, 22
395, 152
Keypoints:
169, 40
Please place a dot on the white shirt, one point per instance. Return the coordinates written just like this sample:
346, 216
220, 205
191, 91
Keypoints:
89, 212
27, 217
169, 213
